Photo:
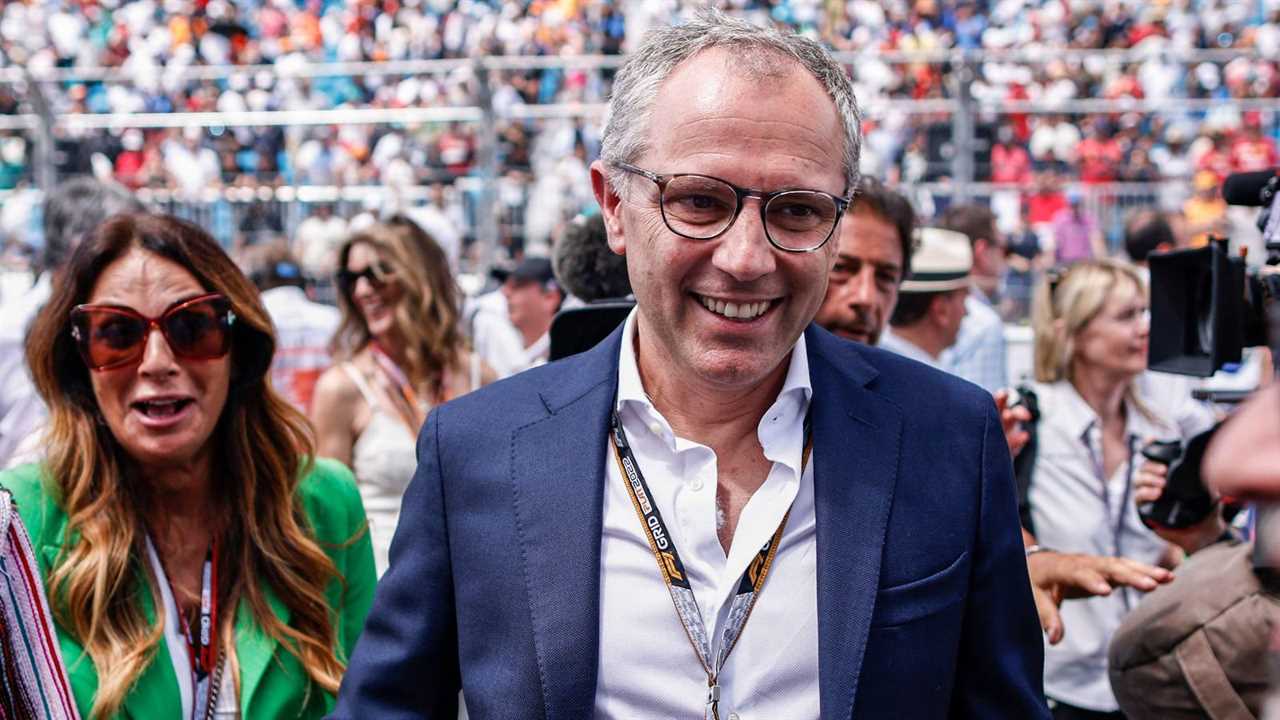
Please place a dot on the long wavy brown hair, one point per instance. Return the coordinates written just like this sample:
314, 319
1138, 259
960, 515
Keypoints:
262, 448
426, 317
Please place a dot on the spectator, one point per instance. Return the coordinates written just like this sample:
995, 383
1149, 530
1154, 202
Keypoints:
979, 351
1146, 232
401, 352
1010, 162
1251, 151
533, 297
317, 239
873, 258
1090, 347
1076, 235
931, 303
70, 211
193, 167
173, 473
498, 343
303, 328
1205, 211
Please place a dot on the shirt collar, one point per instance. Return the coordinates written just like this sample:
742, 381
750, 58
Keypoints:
631, 389
1077, 417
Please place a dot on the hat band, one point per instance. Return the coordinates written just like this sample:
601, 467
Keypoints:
929, 282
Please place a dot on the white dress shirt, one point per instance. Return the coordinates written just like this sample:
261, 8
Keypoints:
648, 668
900, 345
1075, 511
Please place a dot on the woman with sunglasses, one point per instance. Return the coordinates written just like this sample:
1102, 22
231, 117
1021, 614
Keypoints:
1096, 412
199, 563
400, 352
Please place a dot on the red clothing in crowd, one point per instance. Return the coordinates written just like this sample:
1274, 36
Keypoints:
1042, 206
1010, 164
1253, 153
1098, 159
1217, 162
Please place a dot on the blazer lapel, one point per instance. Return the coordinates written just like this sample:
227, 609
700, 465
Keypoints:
557, 479
857, 440
155, 694
254, 647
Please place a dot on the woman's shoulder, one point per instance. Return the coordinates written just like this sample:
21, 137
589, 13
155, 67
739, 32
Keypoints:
35, 501
329, 496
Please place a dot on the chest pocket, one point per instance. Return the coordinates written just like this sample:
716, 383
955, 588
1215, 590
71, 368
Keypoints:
904, 603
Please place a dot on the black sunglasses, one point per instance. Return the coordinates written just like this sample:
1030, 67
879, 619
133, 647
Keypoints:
377, 275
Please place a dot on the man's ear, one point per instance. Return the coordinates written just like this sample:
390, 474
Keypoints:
610, 207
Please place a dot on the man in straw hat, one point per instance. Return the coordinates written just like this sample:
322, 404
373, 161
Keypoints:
926, 320
722, 510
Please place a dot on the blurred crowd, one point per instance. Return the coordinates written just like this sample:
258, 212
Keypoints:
541, 163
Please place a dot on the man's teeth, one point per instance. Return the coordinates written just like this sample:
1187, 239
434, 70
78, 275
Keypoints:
743, 311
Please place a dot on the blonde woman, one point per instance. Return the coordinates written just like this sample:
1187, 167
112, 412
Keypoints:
399, 351
178, 492
1091, 332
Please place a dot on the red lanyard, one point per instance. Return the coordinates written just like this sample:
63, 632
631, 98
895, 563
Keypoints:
400, 381
201, 644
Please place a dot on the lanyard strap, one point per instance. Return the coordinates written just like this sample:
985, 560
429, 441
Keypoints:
1099, 470
663, 546
201, 643
411, 410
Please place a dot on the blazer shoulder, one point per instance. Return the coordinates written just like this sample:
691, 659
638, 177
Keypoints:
922, 389
530, 395
331, 501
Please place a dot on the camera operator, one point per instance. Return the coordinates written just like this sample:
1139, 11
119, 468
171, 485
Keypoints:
1091, 330
1198, 648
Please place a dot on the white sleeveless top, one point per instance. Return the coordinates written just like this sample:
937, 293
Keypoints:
384, 458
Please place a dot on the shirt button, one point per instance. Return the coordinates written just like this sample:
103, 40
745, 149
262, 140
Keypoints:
734, 716
655, 427
695, 484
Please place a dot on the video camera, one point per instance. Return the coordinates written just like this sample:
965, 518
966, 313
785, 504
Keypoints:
1206, 307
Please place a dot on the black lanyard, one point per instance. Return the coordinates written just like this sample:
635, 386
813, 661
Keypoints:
663, 546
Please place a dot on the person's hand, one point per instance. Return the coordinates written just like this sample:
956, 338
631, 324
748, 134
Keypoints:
1011, 419
1242, 459
1063, 576
1148, 485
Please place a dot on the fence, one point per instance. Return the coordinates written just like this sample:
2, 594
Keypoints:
962, 115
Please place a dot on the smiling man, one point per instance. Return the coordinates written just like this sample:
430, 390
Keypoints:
722, 510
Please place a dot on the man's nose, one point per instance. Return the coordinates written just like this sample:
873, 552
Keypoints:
743, 251
861, 289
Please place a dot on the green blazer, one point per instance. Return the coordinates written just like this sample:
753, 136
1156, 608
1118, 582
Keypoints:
272, 681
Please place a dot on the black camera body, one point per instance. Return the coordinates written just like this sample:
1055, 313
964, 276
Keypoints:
1185, 500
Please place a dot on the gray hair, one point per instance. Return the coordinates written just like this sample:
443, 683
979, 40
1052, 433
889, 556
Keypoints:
73, 209
636, 85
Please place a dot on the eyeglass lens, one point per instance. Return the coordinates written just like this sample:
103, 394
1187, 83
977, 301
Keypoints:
702, 207
111, 338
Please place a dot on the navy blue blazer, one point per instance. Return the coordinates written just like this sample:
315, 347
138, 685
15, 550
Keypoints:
925, 609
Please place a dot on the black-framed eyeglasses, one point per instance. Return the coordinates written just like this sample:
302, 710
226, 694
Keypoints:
701, 207
377, 274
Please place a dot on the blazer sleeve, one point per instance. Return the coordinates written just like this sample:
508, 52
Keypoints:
999, 671
405, 664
